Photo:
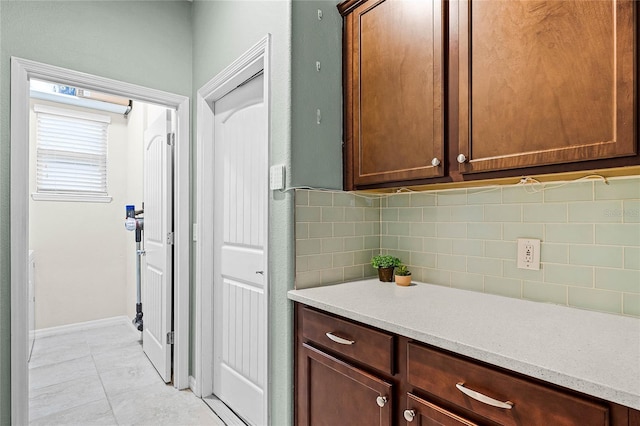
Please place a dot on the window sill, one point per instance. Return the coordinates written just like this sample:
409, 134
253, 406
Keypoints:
38, 196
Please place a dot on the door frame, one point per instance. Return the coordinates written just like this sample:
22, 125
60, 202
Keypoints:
21, 71
248, 64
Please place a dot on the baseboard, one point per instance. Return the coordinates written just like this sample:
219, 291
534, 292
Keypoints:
69, 328
192, 384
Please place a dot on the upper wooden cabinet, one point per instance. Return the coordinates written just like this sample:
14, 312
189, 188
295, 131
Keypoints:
393, 90
487, 86
544, 82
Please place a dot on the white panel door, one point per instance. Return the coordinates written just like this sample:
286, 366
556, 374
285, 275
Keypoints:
240, 276
157, 279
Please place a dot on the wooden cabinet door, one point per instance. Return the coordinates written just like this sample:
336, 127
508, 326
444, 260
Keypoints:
545, 82
331, 392
423, 413
394, 102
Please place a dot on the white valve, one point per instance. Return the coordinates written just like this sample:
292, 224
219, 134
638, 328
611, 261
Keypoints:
130, 224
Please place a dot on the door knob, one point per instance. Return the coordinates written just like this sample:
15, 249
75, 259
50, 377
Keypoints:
409, 415
381, 401
435, 162
461, 158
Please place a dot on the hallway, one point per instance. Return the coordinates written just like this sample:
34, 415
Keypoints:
100, 376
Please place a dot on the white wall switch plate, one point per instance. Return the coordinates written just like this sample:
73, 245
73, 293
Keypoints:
528, 253
276, 177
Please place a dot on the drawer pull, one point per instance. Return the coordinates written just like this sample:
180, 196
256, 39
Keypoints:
409, 415
340, 339
483, 398
381, 401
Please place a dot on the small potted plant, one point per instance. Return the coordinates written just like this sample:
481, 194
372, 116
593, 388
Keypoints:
385, 264
403, 275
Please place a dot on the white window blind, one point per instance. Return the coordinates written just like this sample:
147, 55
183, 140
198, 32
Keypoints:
71, 152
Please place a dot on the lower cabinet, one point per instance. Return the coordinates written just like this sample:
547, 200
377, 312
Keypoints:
349, 373
332, 392
421, 412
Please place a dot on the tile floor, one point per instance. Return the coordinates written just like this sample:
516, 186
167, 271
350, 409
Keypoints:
100, 376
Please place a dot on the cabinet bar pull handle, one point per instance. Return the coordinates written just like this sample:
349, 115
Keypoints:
340, 339
483, 398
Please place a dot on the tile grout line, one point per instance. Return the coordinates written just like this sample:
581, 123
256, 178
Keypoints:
106, 395
56, 413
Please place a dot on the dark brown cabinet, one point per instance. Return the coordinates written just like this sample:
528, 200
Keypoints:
373, 348
544, 82
441, 91
393, 91
353, 374
332, 391
423, 413
497, 396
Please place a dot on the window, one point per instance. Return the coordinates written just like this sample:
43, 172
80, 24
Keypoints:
71, 155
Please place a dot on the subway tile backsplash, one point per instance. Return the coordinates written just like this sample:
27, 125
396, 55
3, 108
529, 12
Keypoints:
466, 238
337, 233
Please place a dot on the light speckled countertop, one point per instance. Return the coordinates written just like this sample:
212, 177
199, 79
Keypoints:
591, 352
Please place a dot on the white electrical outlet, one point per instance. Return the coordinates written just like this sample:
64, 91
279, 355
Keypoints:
528, 253
276, 177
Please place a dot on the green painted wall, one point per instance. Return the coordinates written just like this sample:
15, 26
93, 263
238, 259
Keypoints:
142, 42
223, 30
178, 47
316, 148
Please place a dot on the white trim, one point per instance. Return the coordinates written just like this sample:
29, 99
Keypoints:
192, 384
71, 113
203, 366
52, 73
19, 243
252, 61
43, 196
182, 246
79, 326
21, 71
237, 72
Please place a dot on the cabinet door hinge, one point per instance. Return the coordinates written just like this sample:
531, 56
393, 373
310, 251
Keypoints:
171, 139
170, 338
170, 238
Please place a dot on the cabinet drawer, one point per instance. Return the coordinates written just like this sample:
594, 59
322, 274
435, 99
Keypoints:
438, 374
360, 343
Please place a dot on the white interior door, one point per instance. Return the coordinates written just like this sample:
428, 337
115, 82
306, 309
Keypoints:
157, 281
240, 276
